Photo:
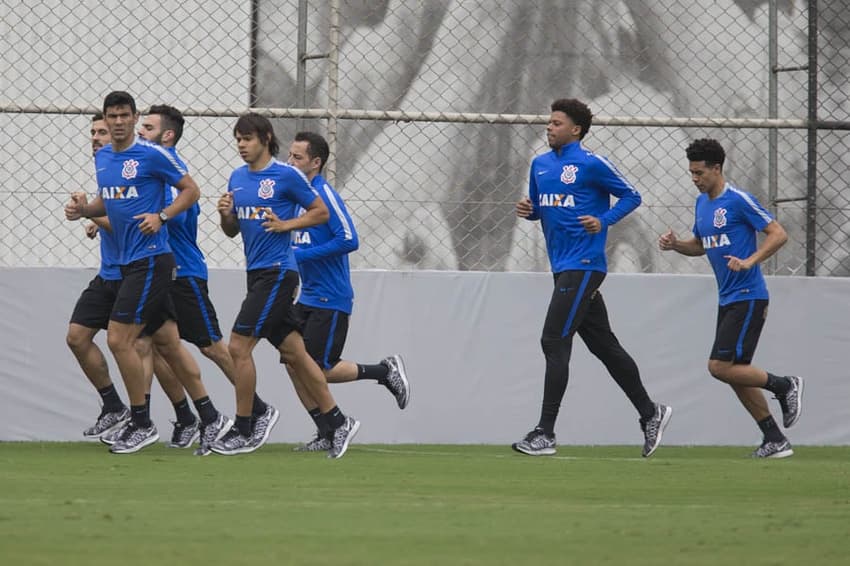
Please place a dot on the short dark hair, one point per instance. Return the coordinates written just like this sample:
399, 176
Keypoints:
253, 123
708, 150
119, 98
172, 119
97, 116
317, 146
578, 112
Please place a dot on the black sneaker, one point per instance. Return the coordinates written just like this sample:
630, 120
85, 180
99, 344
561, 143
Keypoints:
232, 443
536, 443
263, 425
134, 438
318, 444
185, 434
654, 427
212, 432
342, 437
396, 380
776, 449
792, 402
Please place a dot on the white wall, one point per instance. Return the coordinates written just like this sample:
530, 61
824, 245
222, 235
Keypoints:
470, 341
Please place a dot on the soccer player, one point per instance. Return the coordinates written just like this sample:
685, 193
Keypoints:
132, 175
91, 313
196, 316
725, 230
327, 298
260, 203
569, 192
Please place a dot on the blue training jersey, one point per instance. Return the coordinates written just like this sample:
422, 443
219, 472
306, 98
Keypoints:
110, 268
133, 182
322, 255
571, 182
728, 225
278, 186
183, 233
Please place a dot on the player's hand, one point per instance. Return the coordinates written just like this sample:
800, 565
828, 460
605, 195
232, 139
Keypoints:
667, 240
150, 223
91, 230
225, 204
524, 208
737, 264
592, 225
75, 206
272, 223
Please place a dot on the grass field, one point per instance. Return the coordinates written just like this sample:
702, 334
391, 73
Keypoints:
73, 503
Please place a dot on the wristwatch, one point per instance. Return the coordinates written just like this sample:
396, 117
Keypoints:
163, 217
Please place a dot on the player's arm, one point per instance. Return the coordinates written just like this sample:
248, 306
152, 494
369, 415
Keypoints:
188, 194
78, 207
775, 238
612, 181
227, 217
315, 213
690, 247
344, 239
525, 207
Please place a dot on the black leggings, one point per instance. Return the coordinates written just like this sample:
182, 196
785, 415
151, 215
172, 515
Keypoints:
577, 307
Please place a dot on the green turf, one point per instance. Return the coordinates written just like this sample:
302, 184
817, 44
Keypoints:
73, 503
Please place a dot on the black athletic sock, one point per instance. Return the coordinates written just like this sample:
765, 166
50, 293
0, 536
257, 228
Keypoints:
244, 425
771, 430
140, 415
184, 414
259, 406
148, 401
206, 410
334, 418
777, 385
378, 372
111, 400
315, 414
321, 423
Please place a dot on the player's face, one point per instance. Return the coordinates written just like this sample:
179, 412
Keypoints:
121, 122
99, 135
561, 130
151, 129
300, 159
705, 177
252, 150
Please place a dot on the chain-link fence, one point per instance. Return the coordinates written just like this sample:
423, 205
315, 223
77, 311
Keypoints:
434, 109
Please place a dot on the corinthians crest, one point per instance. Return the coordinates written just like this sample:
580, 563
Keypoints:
568, 175
720, 218
266, 190
130, 169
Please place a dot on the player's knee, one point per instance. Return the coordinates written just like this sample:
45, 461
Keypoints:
77, 340
719, 369
551, 344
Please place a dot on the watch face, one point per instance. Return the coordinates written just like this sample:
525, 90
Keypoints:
163, 216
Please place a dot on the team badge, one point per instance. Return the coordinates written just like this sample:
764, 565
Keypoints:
568, 175
130, 169
266, 189
720, 218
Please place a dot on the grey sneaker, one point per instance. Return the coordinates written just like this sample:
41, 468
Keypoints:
536, 443
185, 434
318, 444
133, 438
654, 428
112, 436
107, 422
212, 432
780, 449
792, 402
396, 380
263, 426
342, 437
233, 443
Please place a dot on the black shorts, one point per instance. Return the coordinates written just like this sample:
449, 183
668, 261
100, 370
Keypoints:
95, 303
268, 309
572, 297
324, 332
143, 296
738, 329
196, 317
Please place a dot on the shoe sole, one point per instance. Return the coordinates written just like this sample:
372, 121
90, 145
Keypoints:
782, 454
543, 452
402, 372
668, 414
799, 404
243, 450
354, 428
272, 422
146, 442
